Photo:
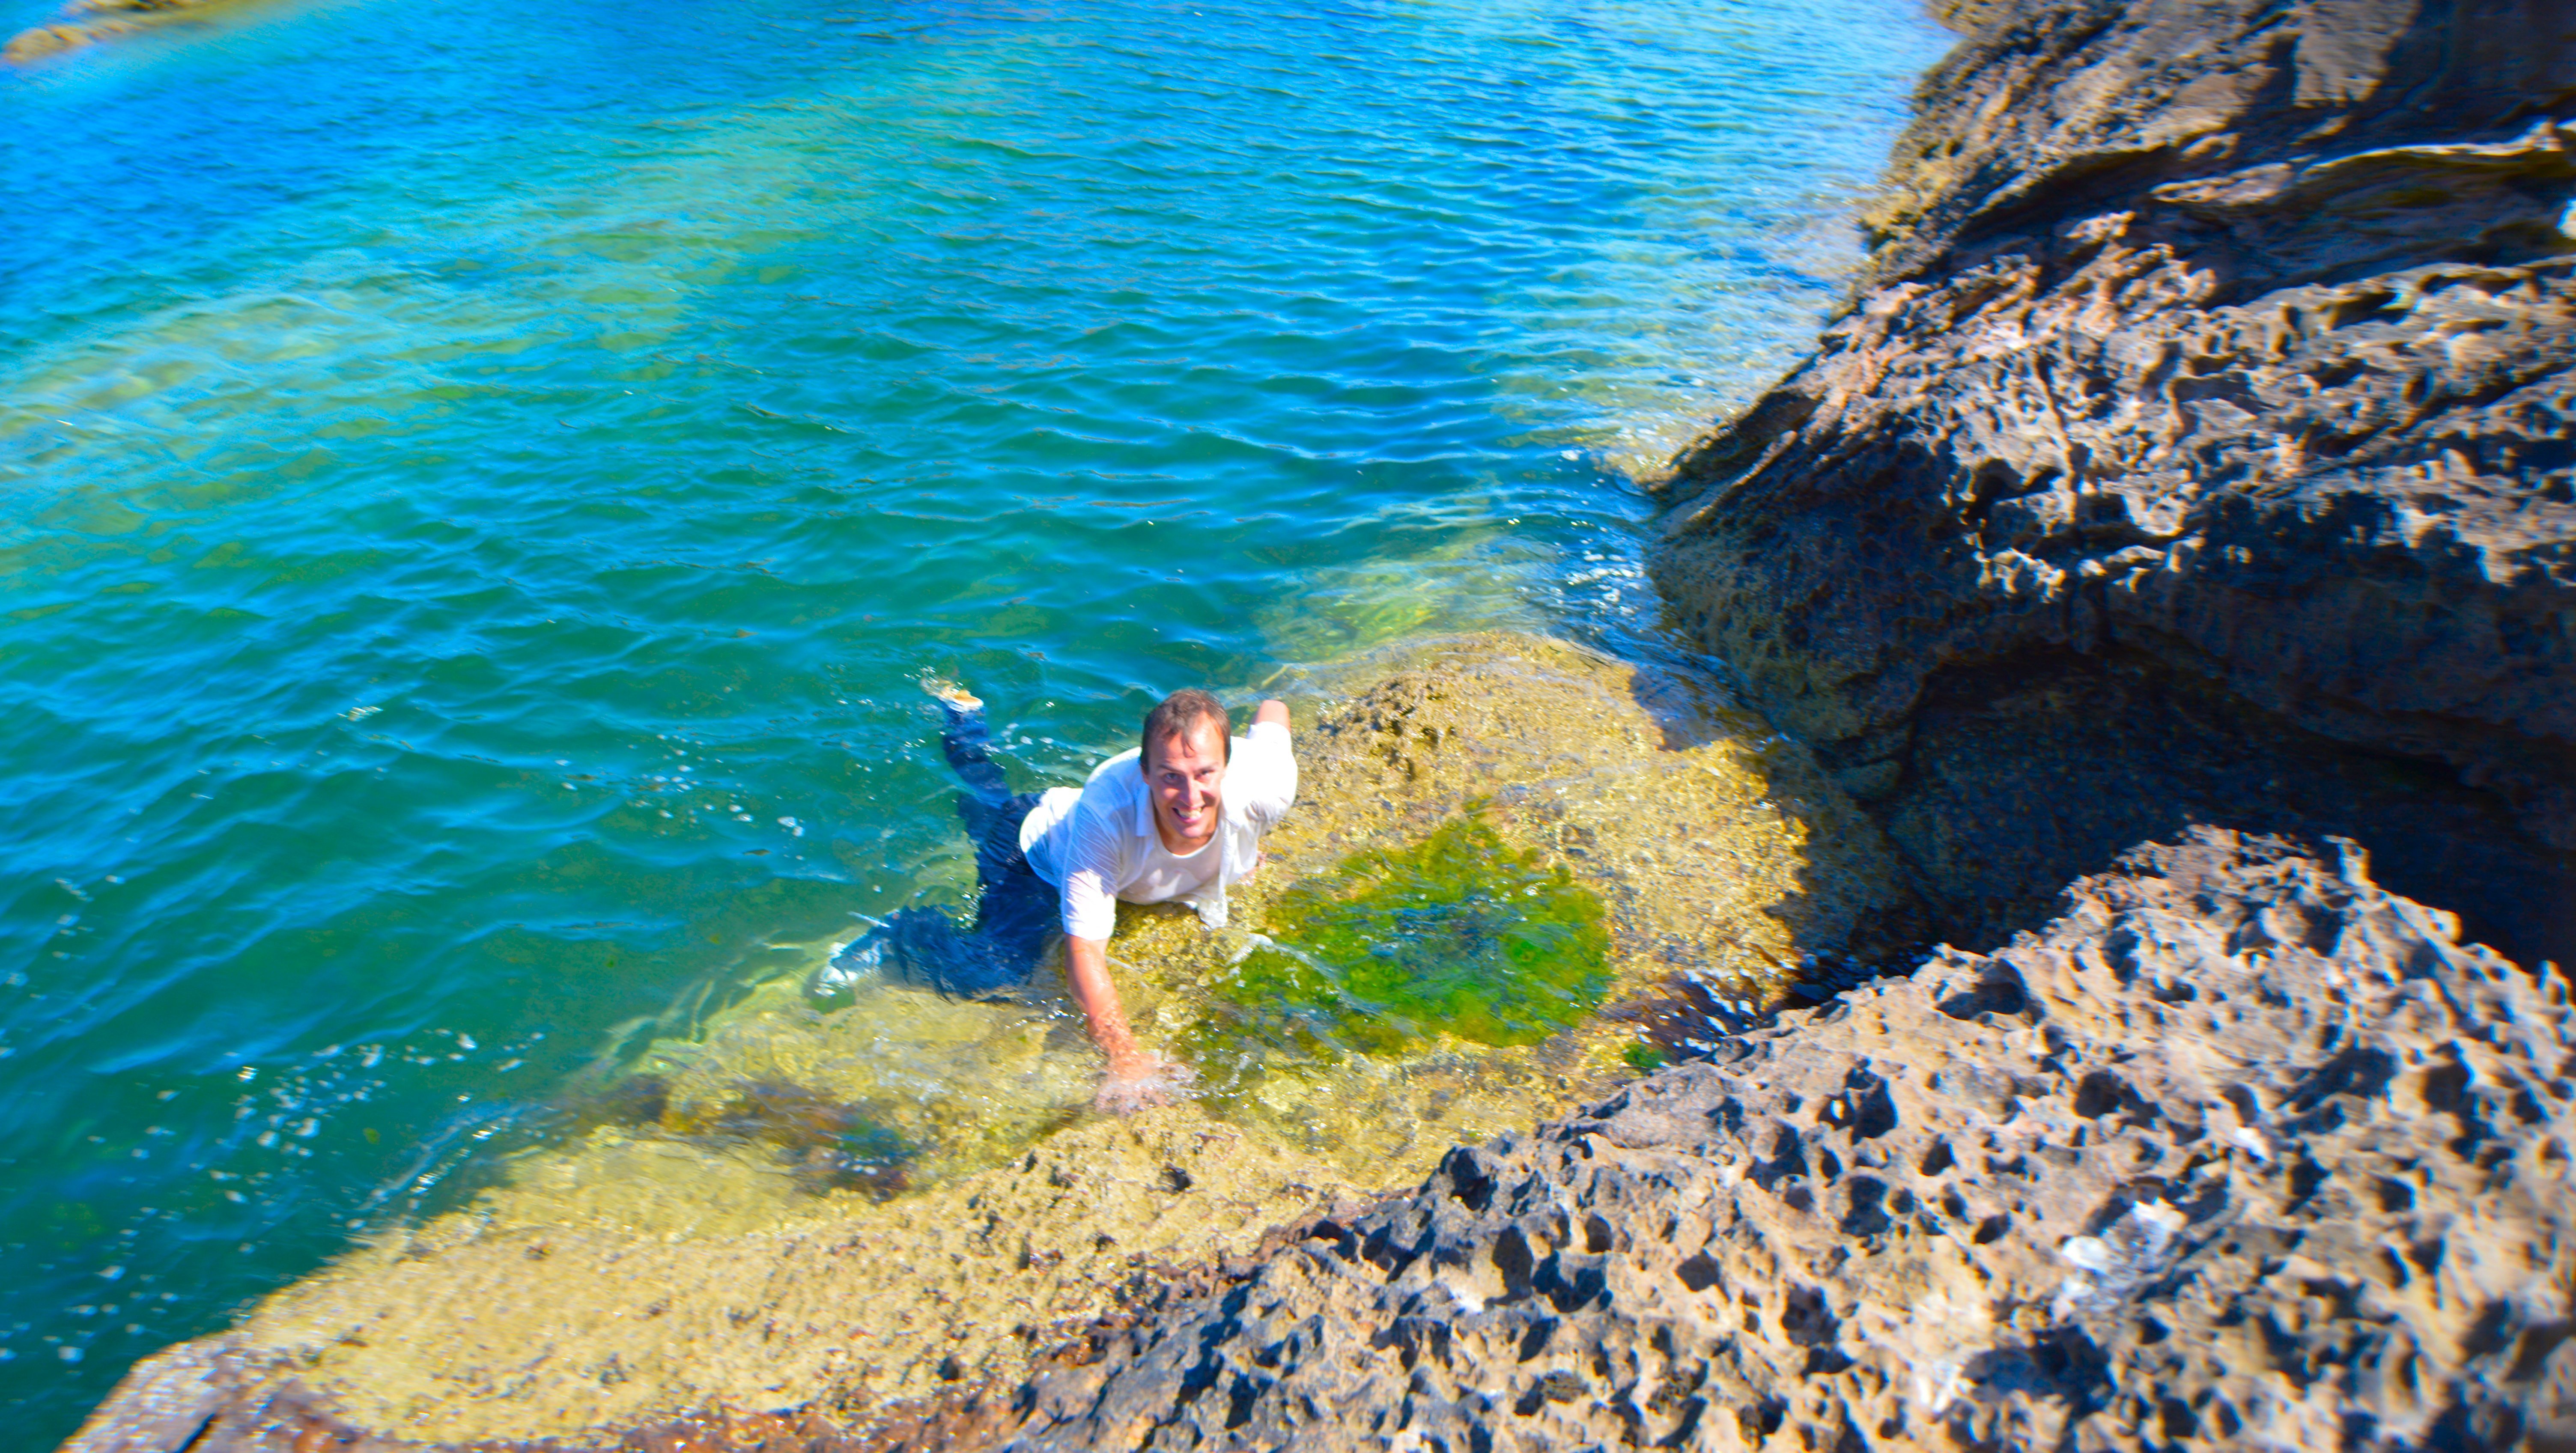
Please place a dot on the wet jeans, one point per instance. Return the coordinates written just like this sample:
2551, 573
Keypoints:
1017, 917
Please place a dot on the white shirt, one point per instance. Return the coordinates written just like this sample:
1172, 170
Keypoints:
1097, 842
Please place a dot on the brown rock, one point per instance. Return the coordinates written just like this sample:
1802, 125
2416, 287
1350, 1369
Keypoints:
2241, 1151
2214, 349
44, 40
164, 1402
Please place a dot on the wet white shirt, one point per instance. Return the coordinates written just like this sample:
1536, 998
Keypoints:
1097, 842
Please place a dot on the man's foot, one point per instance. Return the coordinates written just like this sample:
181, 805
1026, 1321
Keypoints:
832, 985
949, 694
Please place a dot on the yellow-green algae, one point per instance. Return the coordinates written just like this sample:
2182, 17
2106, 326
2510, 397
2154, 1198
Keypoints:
1460, 933
734, 1246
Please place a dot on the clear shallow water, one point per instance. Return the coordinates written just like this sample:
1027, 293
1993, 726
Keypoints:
478, 481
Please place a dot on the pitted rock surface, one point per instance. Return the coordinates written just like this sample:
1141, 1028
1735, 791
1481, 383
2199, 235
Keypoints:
2230, 340
2241, 1151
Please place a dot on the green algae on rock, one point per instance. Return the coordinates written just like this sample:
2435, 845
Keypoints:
1460, 933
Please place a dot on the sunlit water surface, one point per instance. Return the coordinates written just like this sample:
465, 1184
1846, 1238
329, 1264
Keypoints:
480, 479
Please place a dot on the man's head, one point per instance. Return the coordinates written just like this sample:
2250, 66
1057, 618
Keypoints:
1186, 743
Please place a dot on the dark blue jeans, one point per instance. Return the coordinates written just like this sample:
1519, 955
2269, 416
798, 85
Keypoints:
1017, 916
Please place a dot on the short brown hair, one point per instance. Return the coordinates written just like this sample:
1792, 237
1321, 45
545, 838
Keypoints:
1182, 713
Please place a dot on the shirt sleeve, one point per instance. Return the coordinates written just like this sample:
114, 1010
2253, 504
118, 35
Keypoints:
1090, 892
1264, 771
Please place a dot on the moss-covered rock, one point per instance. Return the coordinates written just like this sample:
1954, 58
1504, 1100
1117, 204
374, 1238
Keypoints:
1460, 933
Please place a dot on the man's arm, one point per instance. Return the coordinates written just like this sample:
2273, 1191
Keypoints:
1135, 1079
1266, 785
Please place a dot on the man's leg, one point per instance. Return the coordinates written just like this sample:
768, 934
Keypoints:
1019, 915
1015, 920
967, 741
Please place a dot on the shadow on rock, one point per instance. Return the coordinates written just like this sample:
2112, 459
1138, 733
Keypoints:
2018, 776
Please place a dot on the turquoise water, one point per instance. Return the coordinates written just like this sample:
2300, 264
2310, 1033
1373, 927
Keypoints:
480, 479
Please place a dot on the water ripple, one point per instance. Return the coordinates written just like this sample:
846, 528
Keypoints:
480, 481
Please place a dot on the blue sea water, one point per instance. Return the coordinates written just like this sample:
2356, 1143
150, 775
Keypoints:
478, 481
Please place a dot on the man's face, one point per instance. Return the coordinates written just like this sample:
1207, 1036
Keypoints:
1185, 773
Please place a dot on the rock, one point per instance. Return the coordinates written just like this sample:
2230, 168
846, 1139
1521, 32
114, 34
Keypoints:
2241, 1150
37, 42
163, 1402
148, 7
558, 1306
2208, 350
825, 1219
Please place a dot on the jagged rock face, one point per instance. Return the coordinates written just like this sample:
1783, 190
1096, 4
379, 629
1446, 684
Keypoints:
2234, 336
2324, 122
2241, 1151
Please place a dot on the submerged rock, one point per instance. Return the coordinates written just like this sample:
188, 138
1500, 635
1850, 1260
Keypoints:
1464, 800
835, 1214
1717, 855
89, 22
2212, 382
2241, 1150
545, 1313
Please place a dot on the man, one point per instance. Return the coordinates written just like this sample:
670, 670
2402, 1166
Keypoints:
1179, 818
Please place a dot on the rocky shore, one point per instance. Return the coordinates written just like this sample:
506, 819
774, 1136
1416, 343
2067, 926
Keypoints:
2198, 450
2183, 510
2240, 1151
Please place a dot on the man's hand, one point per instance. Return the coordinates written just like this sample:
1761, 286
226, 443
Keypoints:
1136, 1079
1139, 1082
